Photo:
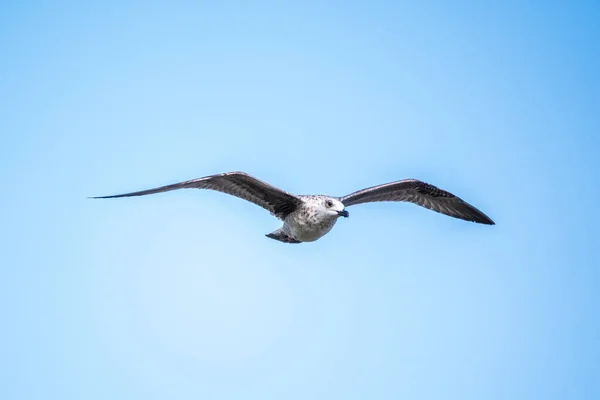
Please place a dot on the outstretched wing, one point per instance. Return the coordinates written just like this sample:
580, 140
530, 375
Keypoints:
420, 193
238, 184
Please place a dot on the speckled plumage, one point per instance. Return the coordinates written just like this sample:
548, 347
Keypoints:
308, 218
308, 223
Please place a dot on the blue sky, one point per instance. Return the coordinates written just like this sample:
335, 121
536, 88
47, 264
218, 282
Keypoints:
180, 295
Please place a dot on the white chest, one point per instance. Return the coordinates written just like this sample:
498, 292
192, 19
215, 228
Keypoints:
308, 227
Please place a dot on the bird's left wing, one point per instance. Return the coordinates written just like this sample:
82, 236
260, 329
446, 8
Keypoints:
238, 184
421, 193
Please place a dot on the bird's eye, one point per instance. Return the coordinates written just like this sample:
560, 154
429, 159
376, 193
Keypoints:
329, 203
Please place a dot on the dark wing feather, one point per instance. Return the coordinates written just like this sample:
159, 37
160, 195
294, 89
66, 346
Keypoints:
420, 193
238, 184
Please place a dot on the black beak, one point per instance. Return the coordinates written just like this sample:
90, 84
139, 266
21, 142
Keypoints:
344, 213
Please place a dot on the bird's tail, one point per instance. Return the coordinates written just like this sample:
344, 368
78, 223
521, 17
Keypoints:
280, 235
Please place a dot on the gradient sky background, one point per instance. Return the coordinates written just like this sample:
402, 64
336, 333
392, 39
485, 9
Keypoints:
181, 296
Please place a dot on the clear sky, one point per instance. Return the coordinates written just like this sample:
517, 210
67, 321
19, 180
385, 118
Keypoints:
181, 296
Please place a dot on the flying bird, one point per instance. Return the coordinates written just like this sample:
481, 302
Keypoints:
308, 218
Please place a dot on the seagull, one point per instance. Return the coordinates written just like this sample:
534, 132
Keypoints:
308, 218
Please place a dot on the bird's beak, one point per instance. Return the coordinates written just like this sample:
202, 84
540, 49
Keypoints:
344, 213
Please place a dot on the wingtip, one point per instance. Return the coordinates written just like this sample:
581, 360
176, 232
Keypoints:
485, 221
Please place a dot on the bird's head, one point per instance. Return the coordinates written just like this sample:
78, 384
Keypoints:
334, 208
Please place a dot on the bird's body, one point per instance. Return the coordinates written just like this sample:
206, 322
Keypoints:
308, 223
308, 218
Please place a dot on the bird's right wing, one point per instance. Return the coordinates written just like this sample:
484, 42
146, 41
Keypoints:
238, 184
421, 193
